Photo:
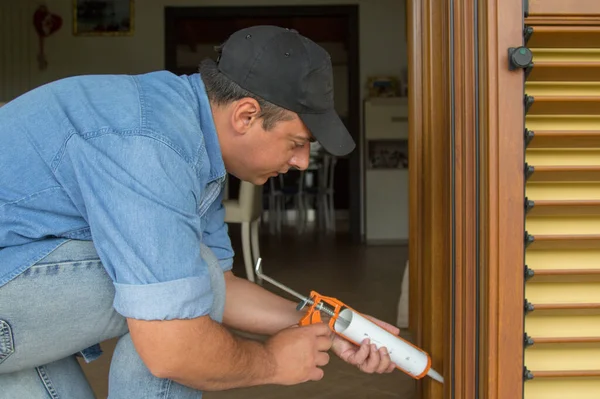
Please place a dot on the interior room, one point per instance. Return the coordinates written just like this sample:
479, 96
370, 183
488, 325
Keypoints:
340, 227
503, 134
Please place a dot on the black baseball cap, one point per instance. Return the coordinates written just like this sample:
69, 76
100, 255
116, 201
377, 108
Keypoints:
291, 71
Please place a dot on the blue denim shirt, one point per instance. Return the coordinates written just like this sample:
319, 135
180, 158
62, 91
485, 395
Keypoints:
130, 162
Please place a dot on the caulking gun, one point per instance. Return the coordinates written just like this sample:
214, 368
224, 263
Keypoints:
354, 327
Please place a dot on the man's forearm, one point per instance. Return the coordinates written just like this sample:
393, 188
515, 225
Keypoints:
228, 362
251, 308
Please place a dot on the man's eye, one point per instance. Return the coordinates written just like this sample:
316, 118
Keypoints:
299, 145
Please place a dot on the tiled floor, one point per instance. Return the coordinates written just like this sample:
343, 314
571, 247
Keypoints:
365, 277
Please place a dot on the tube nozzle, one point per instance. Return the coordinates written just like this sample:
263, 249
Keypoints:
435, 375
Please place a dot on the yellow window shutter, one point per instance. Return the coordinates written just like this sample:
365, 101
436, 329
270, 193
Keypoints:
562, 166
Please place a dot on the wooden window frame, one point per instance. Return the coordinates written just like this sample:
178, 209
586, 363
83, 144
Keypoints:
467, 190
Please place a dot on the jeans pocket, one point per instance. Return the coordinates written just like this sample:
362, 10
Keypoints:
7, 344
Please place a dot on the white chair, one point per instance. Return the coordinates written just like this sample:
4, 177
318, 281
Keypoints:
247, 211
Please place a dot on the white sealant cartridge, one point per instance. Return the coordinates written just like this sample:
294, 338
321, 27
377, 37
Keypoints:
407, 357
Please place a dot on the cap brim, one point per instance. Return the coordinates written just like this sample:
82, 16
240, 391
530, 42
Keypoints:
330, 132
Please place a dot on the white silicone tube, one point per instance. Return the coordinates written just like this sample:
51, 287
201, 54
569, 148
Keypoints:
356, 328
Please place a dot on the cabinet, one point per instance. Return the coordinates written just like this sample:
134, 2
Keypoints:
386, 170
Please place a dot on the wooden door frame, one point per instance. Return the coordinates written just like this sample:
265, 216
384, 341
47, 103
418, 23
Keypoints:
466, 199
429, 182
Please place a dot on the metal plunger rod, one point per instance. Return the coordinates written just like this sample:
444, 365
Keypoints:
260, 274
306, 300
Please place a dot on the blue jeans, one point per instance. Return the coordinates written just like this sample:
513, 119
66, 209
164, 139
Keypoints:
61, 308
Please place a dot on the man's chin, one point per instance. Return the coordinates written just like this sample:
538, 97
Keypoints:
261, 180
256, 180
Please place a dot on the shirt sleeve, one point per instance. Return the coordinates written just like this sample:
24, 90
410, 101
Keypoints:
216, 234
140, 199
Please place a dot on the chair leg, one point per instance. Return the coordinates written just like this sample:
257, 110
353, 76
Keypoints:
284, 215
247, 251
331, 212
272, 216
327, 215
300, 213
318, 212
254, 239
277, 215
324, 211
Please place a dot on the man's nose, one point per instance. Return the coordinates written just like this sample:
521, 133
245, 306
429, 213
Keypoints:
301, 158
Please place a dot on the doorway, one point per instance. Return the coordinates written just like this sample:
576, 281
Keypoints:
192, 32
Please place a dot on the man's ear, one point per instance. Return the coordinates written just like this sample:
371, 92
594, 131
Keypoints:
245, 113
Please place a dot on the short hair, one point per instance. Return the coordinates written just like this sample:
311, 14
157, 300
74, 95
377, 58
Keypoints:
221, 90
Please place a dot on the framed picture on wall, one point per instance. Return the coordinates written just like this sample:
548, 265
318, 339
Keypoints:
103, 17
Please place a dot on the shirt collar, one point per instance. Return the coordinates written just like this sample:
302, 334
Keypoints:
207, 124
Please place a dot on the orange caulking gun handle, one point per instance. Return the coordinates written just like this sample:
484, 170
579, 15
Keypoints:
312, 317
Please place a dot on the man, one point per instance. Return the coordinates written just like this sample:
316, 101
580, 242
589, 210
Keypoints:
111, 225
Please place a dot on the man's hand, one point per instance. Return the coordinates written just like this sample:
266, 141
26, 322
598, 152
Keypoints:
299, 352
366, 357
245, 310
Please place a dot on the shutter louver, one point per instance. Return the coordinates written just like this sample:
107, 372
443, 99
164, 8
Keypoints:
562, 238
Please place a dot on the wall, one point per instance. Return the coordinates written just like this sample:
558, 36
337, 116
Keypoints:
18, 48
382, 39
